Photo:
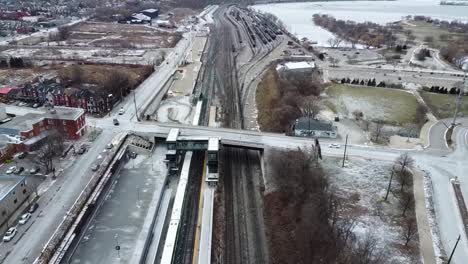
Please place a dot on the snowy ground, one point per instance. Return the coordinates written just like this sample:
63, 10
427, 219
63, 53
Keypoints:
101, 55
362, 186
176, 109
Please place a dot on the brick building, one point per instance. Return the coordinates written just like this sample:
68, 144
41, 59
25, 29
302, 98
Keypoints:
33, 128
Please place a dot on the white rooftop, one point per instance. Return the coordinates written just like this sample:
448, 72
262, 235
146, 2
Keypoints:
213, 144
173, 134
299, 65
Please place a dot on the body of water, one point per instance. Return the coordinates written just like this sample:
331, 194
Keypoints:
298, 16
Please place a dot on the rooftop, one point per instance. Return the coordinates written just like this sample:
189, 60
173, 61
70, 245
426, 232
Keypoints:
213, 144
305, 123
7, 184
64, 113
151, 10
22, 123
299, 65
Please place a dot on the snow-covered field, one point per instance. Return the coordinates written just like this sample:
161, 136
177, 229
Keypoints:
176, 110
362, 185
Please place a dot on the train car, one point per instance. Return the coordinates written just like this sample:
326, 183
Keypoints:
177, 207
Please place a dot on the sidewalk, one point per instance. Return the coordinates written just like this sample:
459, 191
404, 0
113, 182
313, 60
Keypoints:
424, 230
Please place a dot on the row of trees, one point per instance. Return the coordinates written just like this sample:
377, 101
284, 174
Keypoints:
302, 216
370, 34
444, 90
404, 195
366, 82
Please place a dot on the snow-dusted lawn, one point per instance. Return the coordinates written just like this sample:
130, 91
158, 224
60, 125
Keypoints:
361, 187
390, 105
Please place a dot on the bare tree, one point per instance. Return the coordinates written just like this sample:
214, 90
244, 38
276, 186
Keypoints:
377, 130
404, 161
406, 201
51, 147
76, 74
334, 42
311, 106
409, 231
367, 250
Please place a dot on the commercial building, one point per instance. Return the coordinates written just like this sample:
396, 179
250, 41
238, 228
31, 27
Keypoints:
32, 128
309, 127
14, 190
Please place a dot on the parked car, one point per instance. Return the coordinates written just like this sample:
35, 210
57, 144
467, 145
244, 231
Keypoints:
95, 167
24, 218
81, 150
19, 170
116, 122
133, 154
22, 155
10, 234
334, 145
34, 170
36, 105
121, 111
109, 146
11, 170
33, 208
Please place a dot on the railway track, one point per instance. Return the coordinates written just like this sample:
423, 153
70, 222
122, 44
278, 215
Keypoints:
243, 239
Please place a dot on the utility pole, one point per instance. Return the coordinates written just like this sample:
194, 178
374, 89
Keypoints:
345, 147
390, 183
453, 251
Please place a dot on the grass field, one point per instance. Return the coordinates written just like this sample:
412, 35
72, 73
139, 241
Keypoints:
421, 30
443, 105
389, 105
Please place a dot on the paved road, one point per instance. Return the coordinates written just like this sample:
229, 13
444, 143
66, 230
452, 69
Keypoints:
53, 205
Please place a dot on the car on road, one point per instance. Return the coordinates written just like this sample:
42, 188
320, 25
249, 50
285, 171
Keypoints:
22, 155
33, 208
11, 170
10, 234
95, 167
121, 111
116, 122
19, 170
34, 170
24, 218
334, 145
